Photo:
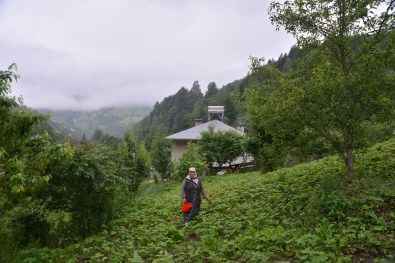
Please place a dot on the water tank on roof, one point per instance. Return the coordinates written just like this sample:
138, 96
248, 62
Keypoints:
215, 112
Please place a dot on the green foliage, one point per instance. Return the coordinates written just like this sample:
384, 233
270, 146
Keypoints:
6, 78
110, 140
16, 125
289, 61
300, 214
25, 215
21, 166
378, 162
178, 112
62, 193
161, 156
220, 146
330, 199
53, 194
345, 82
85, 186
173, 113
97, 135
57, 133
136, 163
212, 90
190, 158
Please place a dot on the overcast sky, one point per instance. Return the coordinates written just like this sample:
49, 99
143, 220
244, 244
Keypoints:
87, 54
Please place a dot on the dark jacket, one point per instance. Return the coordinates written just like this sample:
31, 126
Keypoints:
189, 187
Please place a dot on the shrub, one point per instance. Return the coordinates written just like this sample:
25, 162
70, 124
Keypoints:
191, 158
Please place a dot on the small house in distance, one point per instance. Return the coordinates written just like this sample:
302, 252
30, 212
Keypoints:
215, 116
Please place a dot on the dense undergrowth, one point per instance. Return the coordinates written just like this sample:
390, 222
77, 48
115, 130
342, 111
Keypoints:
305, 213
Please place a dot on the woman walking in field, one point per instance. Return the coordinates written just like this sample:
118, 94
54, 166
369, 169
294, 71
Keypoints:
191, 192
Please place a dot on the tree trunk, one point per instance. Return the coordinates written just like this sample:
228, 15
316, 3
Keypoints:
349, 157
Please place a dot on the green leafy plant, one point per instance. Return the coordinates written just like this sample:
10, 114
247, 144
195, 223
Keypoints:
191, 158
220, 146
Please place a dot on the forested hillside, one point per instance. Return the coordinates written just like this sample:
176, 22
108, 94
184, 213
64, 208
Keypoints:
114, 121
177, 112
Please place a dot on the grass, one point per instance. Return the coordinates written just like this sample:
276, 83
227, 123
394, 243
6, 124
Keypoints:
305, 213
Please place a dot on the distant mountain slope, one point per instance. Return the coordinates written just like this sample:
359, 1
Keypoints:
114, 121
178, 111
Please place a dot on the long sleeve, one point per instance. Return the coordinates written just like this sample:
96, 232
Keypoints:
183, 195
202, 191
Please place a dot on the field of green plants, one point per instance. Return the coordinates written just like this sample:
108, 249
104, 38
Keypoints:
307, 213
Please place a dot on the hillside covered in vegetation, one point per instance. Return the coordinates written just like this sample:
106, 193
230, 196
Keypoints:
306, 213
113, 121
177, 112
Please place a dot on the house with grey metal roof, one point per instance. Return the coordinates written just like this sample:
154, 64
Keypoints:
215, 116
181, 139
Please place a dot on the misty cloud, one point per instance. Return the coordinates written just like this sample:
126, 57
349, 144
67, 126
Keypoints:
90, 54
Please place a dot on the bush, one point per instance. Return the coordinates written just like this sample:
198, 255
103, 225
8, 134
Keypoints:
191, 158
85, 186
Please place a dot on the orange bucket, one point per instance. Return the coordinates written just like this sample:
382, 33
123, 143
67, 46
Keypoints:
186, 206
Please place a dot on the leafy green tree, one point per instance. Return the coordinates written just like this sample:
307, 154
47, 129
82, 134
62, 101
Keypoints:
84, 140
212, 90
16, 123
88, 181
136, 163
97, 135
51, 194
260, 145
110, 140
23, 169
27, 179
230, 108
196, 87
220, 146
85, 186
143, 162
208, 146
56, 132
345, 80
174, 113
192, 157
161, 156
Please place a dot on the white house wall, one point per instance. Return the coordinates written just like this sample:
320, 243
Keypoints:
178, 148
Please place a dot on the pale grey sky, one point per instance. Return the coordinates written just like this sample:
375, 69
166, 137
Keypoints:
75, 54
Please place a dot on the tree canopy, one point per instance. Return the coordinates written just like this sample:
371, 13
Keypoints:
345, 83
220, 146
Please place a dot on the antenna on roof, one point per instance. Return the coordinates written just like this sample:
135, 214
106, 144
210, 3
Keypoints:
216, 111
